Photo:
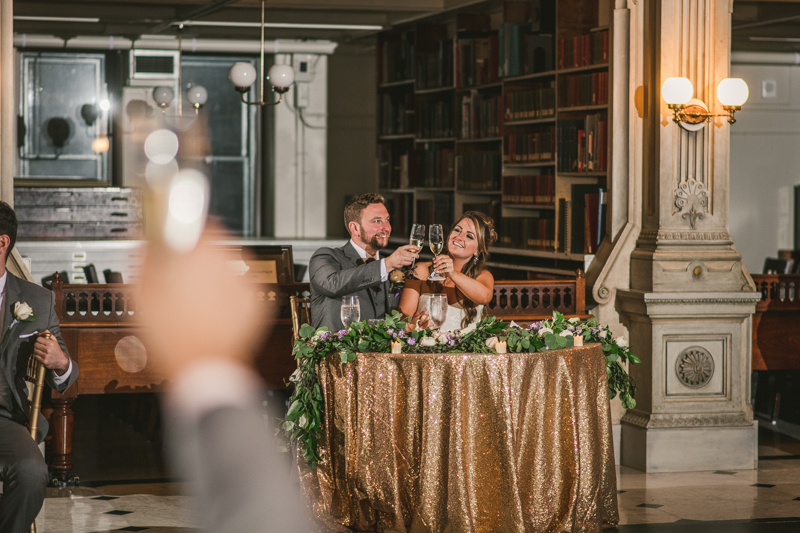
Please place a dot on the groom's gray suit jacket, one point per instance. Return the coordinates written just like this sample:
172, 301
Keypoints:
15, 353
336, 272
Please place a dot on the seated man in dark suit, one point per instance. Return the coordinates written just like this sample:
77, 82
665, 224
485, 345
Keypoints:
356, 269
26, 315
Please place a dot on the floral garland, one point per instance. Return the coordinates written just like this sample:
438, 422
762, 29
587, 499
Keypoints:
303, 423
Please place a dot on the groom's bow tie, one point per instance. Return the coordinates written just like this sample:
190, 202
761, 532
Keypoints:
377, 286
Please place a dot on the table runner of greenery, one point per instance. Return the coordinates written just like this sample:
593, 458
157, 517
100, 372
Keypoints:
303, 423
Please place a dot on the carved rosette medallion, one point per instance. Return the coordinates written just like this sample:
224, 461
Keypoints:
694, 367
691, 197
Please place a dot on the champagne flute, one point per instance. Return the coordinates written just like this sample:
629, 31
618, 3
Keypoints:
436, 241
417, 239
438, 309
350, 311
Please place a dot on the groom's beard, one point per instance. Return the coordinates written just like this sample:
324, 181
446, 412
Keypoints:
377, 241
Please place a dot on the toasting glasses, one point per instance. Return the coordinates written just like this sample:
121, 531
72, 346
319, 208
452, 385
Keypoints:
436, 241
417, 239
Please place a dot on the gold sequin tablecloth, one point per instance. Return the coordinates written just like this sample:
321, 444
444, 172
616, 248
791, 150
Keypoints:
452, 443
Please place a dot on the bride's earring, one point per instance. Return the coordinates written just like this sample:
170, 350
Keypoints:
475, 259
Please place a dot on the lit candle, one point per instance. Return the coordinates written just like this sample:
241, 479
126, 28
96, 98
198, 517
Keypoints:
578, 340
501, 347
397, 347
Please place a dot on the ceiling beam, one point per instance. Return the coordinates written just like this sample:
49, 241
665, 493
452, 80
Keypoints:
190, 14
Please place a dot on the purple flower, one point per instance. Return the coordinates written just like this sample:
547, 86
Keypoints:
451, 342
411, 341
324, 335
390, 331
341, 333
402, 334
570, 328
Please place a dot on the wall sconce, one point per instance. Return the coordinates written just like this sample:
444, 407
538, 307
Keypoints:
691, 113
243, 75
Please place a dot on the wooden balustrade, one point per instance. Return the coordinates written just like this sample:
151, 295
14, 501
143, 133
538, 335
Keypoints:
776, 322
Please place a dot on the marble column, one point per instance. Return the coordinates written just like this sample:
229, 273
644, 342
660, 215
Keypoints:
689, 305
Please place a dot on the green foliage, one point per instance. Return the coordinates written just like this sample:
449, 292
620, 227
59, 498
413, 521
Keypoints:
304, 420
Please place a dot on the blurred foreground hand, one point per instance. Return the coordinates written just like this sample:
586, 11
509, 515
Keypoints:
193, 307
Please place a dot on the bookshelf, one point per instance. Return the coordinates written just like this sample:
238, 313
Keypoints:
504, 109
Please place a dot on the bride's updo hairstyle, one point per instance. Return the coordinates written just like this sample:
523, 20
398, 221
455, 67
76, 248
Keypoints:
486, 236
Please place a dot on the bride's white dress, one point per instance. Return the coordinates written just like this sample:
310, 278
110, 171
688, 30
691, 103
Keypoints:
455, 313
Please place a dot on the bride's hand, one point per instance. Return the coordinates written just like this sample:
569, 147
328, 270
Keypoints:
420, 319
444, 265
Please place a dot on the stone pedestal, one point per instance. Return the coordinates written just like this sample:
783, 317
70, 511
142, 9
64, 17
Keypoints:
692, 408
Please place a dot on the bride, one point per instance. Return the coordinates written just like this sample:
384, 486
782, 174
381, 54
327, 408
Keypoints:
467, 285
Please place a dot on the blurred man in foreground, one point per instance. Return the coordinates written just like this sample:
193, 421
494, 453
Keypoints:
201, 323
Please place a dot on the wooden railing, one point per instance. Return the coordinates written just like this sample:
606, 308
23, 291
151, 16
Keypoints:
776, 323
537, 299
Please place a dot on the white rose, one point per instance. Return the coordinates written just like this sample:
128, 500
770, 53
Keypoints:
427, 341
490, 342
469, 329
602, 334
22, 311
514, 325
296, 376
544, 331
303, 421
441, 338
565, 333
621, 342
574, 320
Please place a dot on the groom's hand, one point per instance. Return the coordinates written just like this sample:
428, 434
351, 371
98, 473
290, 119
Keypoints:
48, 352
401, 257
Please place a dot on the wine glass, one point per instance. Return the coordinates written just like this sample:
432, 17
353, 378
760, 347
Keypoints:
351, 310
436, 241
437, 309
417, 239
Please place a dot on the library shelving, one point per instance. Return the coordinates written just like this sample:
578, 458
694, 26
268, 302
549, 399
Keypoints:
503, 108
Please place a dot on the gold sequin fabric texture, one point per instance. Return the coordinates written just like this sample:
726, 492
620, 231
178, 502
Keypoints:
452, 443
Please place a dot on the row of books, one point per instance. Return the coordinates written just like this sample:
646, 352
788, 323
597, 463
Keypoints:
528, 233
583, 50
435, 119
491, 208
523, 51
583, 144
534, 147
435, 69
481, 116
401, 211
397, 114
479, 171
408, 168
477, 59
397, 58
436, 210
536, 103
584, 89
437, 167
529, 190
582, 219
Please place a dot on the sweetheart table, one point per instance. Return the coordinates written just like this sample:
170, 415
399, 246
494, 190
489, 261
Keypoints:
451, 443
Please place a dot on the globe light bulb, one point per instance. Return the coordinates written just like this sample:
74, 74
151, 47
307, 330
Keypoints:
101, 144
197, 96
281, 76
163, 95
732, 92
677, 91
105, 104
243, 75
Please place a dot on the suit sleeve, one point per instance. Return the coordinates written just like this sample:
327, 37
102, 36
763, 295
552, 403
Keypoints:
55, 329
330, 280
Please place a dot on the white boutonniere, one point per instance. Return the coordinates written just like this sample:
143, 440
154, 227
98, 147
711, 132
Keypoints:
22, 313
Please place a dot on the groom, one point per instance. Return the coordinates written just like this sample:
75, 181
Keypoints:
26, 314
356, 269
